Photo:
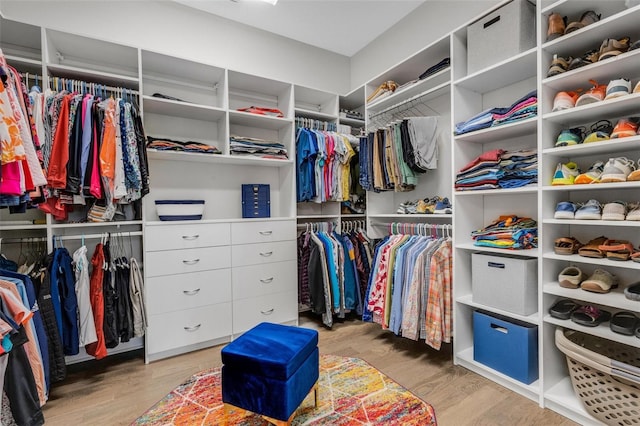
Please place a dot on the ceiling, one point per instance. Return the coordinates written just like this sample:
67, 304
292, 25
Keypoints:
340, 26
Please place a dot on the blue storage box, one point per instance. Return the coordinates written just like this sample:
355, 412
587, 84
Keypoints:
256, 200
507, 346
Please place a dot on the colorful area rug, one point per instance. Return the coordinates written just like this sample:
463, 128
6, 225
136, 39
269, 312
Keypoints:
351, 392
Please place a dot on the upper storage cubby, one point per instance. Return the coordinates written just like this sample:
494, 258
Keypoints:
351, 111
316, 104
272, 98
21, 45
182, 82
95, 61
428, 71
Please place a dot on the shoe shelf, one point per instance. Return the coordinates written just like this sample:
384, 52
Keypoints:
624, 105
576, 222
465, 359
602, 330
615, 298
617, 21
561, 398
592, 187
468, 300
521, 253
624, 65
605, 263
611, 146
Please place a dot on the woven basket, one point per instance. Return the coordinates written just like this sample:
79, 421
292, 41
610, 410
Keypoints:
605, 376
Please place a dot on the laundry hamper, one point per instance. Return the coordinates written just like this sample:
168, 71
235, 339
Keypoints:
605, 376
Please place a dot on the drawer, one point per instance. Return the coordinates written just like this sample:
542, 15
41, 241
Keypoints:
255, 254
186, 236
182, 328
276, 308
260, 280
160, 263
186, 291
259, 232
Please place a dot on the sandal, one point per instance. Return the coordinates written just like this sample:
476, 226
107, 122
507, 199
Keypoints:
592, 248
563, 309
567, 245
590, 316
633, 291
617, 249
624, 322
636, 256
600, 281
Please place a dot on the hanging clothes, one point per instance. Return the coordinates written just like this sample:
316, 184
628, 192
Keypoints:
409, 289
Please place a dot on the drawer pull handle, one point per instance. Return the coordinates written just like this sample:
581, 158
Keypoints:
266, 253
190, 237
194, 328
266, 280
191, 262
268, 312
265, 232
191, 292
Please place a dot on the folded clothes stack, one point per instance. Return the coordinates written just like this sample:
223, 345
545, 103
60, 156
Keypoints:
523, 108
242, 145
499, 169
165, 144
508, 232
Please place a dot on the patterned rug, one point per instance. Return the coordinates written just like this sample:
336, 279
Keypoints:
351, 392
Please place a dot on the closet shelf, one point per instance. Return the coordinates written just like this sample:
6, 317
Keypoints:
623, 105
347, 216
564, 396
22, 227
432, 85
623, 65
116, 224
564, 7
605, 263
133, 344
522, 253
353, 122
467, 300
465, 359
307, 113
504, 73
603, 147
614, 298
318, 216
217, 158
182, 109
528, 189
592, 35
93, 76
601, 330
591, 187
23, 61
208, 221
248, 119
506, 131
574, 222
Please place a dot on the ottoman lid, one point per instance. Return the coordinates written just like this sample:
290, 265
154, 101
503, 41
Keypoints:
271, 350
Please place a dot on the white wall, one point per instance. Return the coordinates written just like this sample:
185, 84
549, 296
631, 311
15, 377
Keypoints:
426, 24
174, 29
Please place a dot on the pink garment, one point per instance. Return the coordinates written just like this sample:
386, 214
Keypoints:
10, 182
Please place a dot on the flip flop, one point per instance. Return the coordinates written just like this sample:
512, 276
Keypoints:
590, 316
624, 322
632, 292
563, 308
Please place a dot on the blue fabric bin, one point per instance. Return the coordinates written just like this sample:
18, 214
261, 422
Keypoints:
506, 346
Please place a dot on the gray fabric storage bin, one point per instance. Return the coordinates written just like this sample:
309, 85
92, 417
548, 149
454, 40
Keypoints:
501, 35
506, 283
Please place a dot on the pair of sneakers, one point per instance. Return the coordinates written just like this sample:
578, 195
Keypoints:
598, 92
618, 169
593, 210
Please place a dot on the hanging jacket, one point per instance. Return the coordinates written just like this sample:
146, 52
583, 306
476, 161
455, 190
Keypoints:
109, 326
68, 301
123, 302
136, 292
97, 349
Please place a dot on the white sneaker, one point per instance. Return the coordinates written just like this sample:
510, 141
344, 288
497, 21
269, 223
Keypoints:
617, 88
634, 212
617, 170
616, 210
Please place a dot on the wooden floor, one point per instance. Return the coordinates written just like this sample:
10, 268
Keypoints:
115, 391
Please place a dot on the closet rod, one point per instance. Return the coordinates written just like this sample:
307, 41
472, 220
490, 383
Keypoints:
92, 85
413, 98
430, 225
22, 240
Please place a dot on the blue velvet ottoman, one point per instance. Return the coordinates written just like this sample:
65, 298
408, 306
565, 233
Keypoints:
270, 369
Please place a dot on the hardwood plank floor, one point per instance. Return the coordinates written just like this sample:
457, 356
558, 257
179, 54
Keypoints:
116, 390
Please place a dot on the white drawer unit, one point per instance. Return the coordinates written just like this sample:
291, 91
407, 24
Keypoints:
160, 263
255, 254
187, 291
260, 280
170, 237
276, 308
259, 232
182, 328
